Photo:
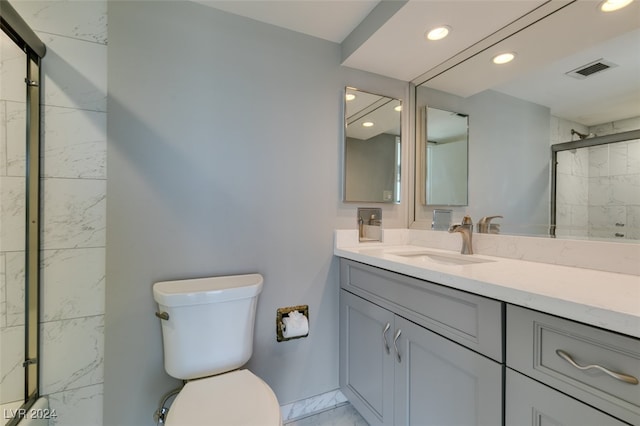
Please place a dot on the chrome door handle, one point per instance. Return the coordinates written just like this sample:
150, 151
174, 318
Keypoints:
618, 376
384, 336
395, 345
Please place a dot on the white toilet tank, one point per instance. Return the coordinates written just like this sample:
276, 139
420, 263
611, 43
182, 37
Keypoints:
210, 323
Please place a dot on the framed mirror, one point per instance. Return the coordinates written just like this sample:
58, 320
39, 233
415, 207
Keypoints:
371, 147
445, 142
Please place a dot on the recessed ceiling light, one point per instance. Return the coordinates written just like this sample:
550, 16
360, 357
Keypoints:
349, 96
438, 33
367, 124
613, 5
503, 58
398, 108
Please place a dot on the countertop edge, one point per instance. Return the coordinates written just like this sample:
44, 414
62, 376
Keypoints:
609, 319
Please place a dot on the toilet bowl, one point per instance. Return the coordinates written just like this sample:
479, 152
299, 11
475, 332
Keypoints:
207, 336
235, 398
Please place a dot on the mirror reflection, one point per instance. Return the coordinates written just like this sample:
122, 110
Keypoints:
562, 86
446, 157
593, 191
372, 147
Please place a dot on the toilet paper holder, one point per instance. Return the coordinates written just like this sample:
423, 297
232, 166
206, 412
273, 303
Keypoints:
283, 313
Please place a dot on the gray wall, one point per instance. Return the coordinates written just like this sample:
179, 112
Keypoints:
371, 167
224, 157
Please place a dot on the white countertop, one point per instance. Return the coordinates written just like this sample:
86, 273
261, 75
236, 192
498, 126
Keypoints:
604, 299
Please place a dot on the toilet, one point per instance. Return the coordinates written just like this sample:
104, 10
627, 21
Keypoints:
207, 333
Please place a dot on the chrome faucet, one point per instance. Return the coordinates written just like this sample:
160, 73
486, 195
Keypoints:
466, 230
486, 227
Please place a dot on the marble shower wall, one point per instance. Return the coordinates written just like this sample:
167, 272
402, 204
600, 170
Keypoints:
74, 109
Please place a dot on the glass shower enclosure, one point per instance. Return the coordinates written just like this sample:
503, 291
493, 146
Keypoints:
20, 55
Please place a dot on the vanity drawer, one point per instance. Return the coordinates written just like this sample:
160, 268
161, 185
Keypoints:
468, 319
544, 346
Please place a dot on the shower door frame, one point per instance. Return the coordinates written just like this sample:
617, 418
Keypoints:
16, 28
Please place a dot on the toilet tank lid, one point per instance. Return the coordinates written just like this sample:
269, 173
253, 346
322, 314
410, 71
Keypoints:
207, 290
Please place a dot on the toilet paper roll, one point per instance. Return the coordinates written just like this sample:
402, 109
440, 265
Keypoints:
295, 325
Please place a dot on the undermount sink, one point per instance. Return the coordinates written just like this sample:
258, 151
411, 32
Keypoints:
444, 259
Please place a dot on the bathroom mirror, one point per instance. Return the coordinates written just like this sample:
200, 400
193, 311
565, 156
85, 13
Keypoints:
562, 86
444, 147
371, 147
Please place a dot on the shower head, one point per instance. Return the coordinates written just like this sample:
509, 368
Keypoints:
582, 135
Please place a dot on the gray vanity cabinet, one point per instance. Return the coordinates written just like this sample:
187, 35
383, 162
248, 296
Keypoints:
529, 403
438, 382
396, 371
366, 361
595, 371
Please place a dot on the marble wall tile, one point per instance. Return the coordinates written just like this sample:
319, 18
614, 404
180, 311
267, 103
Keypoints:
16, 149
72, 354
574, 162
617, 158
15, 283
626, 189
11, 358
633, 161
83, 20
3, 139
600, 191
75, 213
13, 68
74, 143
633, 223
572, 190
74, 282
598, 161
74, 73
616, 127
12, 213
78, 407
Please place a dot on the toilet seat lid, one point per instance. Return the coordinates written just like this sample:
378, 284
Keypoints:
236, 398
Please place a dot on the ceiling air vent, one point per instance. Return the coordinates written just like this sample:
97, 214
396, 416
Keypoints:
591, 69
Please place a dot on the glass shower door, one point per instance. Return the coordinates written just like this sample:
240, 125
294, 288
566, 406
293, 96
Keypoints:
13, 194
19, 214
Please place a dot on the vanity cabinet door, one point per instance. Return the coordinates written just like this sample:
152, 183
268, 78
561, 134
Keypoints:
531, 403
366, 361
439, 382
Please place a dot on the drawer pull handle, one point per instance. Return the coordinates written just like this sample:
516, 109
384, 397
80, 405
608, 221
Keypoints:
384, 336
619, 376
395, 345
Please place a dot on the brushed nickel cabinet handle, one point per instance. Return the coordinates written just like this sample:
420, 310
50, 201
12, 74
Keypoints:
618, 376
384, 336
395, 345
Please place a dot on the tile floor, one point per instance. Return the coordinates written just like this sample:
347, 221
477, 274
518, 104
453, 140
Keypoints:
342, 415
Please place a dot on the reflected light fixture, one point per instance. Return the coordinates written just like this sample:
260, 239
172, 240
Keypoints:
349, 97
613, 5
367, 124
503, 58
398, 108
438, 33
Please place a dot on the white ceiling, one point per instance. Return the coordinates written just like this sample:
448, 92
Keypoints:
331, 20
396, 47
